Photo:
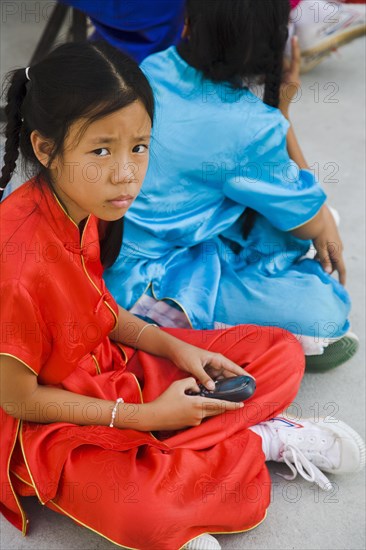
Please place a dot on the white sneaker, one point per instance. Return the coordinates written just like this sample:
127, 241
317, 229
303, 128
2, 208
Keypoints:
309, 447
323, 26
203, 542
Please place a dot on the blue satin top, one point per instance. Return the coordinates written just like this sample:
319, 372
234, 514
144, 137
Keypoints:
214, 152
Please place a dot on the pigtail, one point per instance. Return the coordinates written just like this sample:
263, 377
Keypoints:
271, 96
16, 92
272, 84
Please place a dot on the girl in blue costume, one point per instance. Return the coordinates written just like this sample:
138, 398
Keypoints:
192, 238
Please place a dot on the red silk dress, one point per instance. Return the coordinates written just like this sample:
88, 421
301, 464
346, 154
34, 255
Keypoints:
137, 489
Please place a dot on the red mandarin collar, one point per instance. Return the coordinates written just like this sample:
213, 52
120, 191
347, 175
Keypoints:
85, 242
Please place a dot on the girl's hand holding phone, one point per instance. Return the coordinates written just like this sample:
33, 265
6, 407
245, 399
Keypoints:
204, 365
175, 410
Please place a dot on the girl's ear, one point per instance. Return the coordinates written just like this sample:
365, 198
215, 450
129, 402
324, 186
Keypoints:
42, 148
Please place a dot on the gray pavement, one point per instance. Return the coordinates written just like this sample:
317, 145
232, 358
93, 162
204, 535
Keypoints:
330, 121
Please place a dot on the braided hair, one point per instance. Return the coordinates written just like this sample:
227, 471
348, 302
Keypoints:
16, 92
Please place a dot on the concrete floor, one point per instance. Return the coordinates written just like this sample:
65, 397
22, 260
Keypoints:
330, 122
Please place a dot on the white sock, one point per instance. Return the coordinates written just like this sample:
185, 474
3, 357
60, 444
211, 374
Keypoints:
264, 434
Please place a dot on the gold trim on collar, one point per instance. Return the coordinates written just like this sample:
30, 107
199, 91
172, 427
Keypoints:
64, 211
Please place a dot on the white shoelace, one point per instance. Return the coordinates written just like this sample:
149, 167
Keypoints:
299, 464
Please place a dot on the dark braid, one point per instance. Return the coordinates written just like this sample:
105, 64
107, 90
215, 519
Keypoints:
271, 96
273, 79
16, 93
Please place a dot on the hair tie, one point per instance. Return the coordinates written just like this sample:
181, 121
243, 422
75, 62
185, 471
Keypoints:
27, 73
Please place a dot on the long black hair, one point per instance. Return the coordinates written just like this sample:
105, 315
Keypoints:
238, 42
89, 80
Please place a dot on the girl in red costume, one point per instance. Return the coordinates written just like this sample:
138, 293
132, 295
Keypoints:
93, 398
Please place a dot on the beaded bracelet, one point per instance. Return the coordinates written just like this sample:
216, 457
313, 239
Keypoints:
114, 411
142, 330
